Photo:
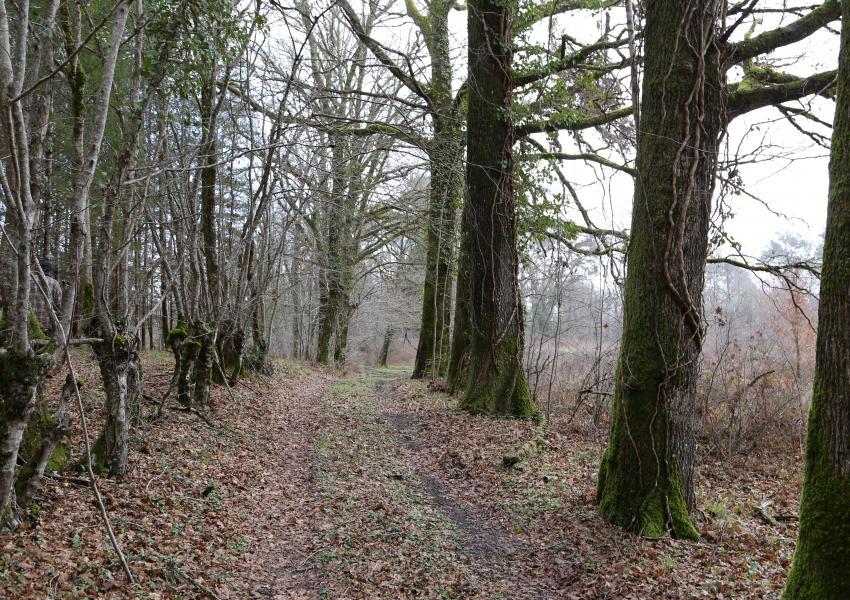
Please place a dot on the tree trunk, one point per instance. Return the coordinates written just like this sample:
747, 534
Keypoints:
821, 567
334, 216
646, 477
209, 174
327, 312
432, 352
341, 338
383, 357
496, 382
459, 355
445, 154
118, 362
20, 377
259, 356
189, 350
202, 372
51, 436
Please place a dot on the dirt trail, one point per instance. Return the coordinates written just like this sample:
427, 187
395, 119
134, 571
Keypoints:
277, 567
315, 484
349, 508
483, 539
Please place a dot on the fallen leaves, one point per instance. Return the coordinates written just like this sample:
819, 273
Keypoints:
373, 486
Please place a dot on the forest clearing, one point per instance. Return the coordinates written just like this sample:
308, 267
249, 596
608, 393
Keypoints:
319, 485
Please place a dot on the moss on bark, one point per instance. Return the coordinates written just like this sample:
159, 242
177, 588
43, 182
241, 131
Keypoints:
39, 427
646, 477
496, 383
640, 485
821, 567
20, 377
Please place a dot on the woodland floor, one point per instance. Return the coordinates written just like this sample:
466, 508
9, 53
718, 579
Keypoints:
312, 484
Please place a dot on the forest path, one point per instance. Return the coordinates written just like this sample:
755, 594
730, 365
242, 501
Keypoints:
275, 568
312, 484
481, 538
357, 512
486, 541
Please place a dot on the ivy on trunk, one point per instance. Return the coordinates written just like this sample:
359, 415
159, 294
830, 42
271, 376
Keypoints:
646, 477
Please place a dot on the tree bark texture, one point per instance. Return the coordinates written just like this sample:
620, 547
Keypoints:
646, 477
496, 383
445, 154
821, 567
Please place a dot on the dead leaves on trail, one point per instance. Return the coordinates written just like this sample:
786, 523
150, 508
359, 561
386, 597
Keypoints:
313, 485
549, 502
184, 515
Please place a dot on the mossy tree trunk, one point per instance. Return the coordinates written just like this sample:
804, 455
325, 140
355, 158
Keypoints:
209, 175
432, 353
204, 330
189, 350
327, 318
203, 367
117, 355
344, 315
20, 377
230, 348
46, 448
821, 567
333, 291
445, 154
384, 355
259, 357
496, 383
646, 477
118, 362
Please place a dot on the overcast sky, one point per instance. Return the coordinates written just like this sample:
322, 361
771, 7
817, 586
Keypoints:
793, 182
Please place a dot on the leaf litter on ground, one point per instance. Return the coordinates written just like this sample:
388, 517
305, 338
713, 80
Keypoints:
317, 485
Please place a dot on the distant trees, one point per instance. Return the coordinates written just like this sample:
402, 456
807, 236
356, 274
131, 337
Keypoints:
820, 562
444, 149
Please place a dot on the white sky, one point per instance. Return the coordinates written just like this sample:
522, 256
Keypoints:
793, 182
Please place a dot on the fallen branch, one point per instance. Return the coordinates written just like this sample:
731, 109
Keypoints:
195, 412
531, 447
74, 480
300, 566
761, 511
74, 342
224, 378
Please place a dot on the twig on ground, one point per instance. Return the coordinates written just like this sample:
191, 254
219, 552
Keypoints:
195, 412
64, 479
300, 566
